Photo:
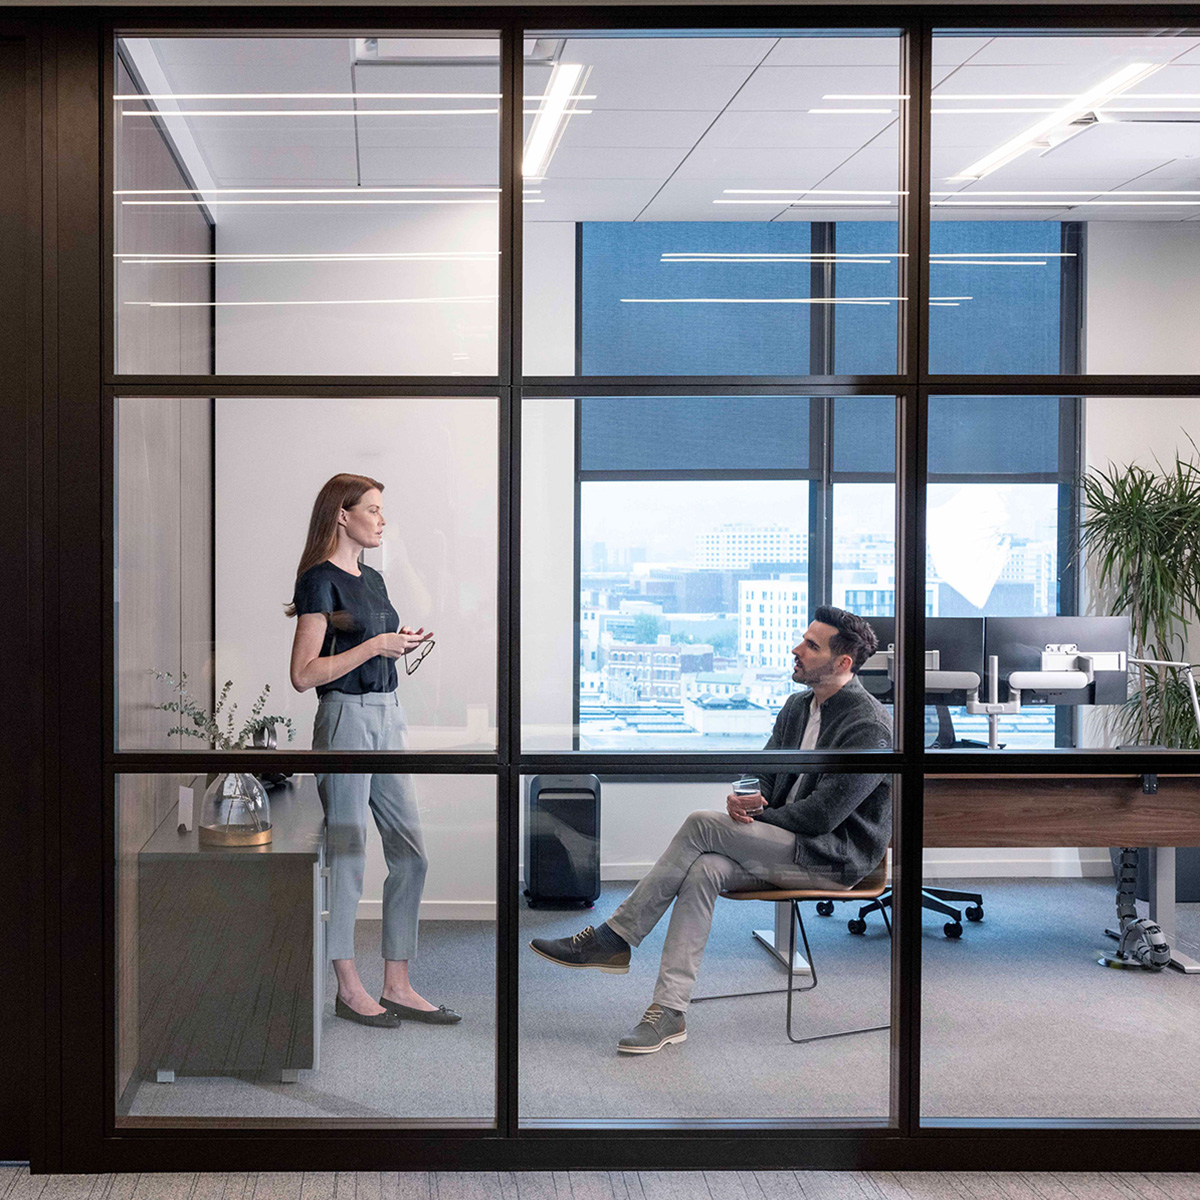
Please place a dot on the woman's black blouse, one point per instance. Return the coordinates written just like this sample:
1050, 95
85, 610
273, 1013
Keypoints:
356, 608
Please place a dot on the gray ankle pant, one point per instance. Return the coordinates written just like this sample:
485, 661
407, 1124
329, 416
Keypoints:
374, 721
711, 853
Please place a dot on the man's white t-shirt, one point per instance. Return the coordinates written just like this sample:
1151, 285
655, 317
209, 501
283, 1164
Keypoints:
807, 742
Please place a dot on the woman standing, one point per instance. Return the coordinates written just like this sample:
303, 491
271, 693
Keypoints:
348, 637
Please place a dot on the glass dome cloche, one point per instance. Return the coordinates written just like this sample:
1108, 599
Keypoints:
235, 812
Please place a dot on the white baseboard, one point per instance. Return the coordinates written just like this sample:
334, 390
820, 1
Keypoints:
436, 910
1019, 863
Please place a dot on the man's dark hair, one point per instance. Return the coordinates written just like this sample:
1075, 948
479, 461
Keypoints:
854, 636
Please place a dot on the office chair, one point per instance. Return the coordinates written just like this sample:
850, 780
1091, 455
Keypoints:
870, 888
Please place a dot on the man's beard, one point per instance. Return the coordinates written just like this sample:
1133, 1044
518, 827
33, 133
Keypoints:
809, 678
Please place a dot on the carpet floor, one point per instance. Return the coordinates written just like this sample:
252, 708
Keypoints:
1019, 1021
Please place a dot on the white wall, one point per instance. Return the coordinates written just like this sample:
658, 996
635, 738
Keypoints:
318, 332
548, 313
437, 460
547, 573
1143, 303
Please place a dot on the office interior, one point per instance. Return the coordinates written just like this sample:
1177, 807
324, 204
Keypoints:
710, 222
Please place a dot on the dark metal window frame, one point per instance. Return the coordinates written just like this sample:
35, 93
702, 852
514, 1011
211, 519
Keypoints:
72, 52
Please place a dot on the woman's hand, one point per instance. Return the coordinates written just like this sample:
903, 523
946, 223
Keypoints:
396, 645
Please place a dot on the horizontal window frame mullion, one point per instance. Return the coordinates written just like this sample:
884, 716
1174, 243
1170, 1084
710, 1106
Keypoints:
297, 762
686, 385
1083, 386
708, 763
304, 385
1061, 762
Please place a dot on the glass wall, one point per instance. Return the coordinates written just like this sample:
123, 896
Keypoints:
1063, 198
232, 900
307, 206
705, 531
662, 839
213, 506
710, 220
712, 205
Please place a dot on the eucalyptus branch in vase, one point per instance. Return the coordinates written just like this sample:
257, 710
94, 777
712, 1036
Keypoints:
218, 729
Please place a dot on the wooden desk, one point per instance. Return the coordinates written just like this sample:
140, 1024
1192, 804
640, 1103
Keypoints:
1058, 810
1073, 810
231, 947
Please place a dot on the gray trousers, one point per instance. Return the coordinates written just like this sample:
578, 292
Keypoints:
370, 722
711, 853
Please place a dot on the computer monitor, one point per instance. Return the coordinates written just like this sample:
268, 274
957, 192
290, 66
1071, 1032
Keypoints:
958, 642
1019, 643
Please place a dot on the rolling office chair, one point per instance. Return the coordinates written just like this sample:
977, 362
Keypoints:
870, 888
933, 898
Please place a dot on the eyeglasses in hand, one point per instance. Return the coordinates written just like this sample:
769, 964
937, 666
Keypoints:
410, 665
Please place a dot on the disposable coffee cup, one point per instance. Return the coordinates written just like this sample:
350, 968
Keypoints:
747, 785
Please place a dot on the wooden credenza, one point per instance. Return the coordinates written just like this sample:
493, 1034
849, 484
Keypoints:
232, 947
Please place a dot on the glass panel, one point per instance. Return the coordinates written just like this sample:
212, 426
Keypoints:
645, 852
1021, 1022
225, 993
1064, 191
711, 205
1016, 483
315, 206
691, 522
210, 535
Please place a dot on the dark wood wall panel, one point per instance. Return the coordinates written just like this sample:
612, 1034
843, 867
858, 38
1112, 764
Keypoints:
19, 774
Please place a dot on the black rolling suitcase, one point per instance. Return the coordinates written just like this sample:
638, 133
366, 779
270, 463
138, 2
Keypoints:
562, 840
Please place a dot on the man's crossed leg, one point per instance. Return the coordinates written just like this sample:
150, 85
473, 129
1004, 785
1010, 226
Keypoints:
710, 853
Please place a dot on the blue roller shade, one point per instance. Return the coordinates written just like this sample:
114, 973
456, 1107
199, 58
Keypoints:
621, 261
694, 433
968, 435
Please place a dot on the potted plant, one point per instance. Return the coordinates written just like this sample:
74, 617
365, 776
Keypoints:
1141, 533
1142, 536
235, 811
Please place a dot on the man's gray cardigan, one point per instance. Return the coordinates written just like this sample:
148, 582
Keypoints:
842, 823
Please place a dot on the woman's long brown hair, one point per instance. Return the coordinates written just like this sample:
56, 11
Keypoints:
342, 491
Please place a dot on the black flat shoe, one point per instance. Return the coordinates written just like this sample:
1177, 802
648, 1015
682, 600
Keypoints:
437, 1016
383, 1020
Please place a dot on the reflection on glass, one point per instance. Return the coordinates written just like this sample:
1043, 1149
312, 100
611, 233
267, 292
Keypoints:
323, 206
213, 508
683, 843
711, 205
224, 986
1031, 881
1063, 192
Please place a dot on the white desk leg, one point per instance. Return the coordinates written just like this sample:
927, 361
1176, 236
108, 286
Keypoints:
776, 939
1162, 904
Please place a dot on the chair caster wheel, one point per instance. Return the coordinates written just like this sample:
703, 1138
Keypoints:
975, 913
952, 929
824, 908
856, 925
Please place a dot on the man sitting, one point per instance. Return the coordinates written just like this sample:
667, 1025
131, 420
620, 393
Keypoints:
798, 831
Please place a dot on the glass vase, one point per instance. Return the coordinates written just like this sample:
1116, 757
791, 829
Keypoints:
235, 812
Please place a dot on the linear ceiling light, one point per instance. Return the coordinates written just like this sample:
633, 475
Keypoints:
283, 191
322, 96
862, 96
215, 203
830, 203
552, 117
277, 303
1074, 110
852, 111
311, 112
800, 191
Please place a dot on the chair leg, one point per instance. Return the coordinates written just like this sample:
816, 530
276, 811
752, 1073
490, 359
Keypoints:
797, 919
